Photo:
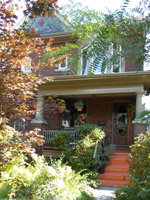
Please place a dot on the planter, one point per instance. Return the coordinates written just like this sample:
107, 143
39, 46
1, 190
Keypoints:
79, 108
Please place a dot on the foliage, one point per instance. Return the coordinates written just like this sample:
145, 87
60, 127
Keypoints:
61, 140
78, 104
136, 190
140, 155
139, 169
107, 38
104, 157
79, 155
143, 117
13, 143
37, 180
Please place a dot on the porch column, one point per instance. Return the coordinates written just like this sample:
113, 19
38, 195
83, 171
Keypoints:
138, 126
39, 112
140, 106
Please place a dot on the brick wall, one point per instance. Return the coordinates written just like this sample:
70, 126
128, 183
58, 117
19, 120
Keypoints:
139, 128
100, 109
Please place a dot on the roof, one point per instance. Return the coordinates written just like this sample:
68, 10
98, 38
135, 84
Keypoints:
48, 25
123, 83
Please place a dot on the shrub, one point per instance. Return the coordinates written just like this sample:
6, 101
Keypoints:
61, 140
38, 180
140, 155
139, 171
80, 155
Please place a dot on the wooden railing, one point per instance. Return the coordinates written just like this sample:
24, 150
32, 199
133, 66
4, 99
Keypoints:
49, 134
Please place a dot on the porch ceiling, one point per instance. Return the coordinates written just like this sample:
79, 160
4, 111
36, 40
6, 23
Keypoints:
103, 84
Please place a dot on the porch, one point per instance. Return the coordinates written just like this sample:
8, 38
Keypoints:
106, 100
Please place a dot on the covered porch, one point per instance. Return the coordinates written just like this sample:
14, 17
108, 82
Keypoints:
108, 101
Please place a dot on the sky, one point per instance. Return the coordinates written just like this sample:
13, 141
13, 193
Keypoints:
101, 5
98, 5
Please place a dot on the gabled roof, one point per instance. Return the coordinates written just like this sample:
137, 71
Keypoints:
48, 25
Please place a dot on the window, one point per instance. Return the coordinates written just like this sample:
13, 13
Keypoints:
63, 66
26, 63
114, 59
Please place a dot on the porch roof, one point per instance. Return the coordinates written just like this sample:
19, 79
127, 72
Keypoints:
103, 84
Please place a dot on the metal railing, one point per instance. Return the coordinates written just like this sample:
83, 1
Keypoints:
49, 134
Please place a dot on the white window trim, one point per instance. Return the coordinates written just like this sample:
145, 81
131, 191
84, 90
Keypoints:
63, 68
121, 64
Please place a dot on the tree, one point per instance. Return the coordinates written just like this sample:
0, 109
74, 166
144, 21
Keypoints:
18, 89
120, 32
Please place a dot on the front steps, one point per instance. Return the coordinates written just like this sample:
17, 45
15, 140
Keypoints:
114, 173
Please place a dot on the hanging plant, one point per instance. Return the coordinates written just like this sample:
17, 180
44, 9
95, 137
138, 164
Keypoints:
61, 106
78, 105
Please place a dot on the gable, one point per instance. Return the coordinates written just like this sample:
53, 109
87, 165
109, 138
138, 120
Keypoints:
47, 25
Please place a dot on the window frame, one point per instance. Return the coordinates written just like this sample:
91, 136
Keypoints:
63, 68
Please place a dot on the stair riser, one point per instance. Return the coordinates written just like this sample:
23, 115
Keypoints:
116, 170
119, 156
112, 183
114, 173
114, 177
118, 161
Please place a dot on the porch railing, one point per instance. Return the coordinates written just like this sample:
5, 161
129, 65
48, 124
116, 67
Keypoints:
49, 134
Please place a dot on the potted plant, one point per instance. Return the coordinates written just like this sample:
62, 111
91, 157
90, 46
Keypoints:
78, 105
61, 106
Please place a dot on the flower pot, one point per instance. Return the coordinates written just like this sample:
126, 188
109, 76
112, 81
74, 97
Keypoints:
79, 108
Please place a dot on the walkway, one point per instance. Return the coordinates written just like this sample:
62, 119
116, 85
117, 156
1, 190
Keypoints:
104, 193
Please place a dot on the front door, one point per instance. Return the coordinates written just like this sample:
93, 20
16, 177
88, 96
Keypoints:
122, 124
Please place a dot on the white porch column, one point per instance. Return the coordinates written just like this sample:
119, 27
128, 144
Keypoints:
39, 111
140, 105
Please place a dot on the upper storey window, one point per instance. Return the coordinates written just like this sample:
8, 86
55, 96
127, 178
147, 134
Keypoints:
114, 60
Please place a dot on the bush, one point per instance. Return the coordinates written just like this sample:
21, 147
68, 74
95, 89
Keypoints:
140, 155
80, 155
61, 140
139, 187
38, 180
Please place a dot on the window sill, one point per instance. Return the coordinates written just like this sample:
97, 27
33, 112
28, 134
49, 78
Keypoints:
61, 70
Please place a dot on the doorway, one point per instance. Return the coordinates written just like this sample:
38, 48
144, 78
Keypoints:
122, 124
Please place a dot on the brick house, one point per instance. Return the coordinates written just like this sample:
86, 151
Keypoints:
107, 97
